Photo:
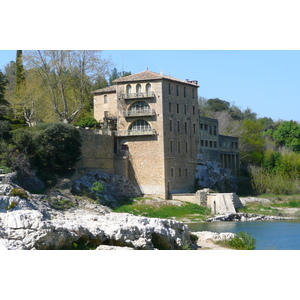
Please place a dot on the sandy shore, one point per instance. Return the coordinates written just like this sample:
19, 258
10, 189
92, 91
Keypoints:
210, 246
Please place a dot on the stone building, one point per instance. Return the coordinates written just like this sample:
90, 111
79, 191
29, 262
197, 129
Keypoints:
155, 131
218, 148
155, 122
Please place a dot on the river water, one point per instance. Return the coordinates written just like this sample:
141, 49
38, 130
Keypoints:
269, 235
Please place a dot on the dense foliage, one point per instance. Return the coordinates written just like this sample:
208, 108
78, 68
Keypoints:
269, 150
51, 147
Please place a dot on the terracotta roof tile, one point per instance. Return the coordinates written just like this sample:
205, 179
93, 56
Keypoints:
148, 75
108, 89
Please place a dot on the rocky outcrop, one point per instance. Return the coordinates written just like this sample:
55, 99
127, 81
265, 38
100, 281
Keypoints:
208, 236
210, 175
245, 217
115, 186
27, 224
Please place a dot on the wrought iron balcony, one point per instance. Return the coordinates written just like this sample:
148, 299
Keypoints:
138, 95
140, 112
135, 132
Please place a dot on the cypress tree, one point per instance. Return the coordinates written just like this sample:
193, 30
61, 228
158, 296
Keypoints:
20, 73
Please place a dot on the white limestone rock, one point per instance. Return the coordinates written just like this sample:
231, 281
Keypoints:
208, 236
30, 229
107, 247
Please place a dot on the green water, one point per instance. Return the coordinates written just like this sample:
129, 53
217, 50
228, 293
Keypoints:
269, 235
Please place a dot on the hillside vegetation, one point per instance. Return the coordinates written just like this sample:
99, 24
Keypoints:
269, 150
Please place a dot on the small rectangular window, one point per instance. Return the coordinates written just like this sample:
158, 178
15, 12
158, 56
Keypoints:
172, 172
185, 127
185, 109
178, 149
184, 91
177, 90
194, 128
186, 172
178, 108
179, 172
169, 88
105, 98
178, 126
215, 130
171, 125
194, 110
186, 147
171, 146
170, 107
215, 145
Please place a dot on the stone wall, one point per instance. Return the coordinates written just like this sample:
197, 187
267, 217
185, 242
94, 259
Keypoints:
223, 203
97, 151
219, 203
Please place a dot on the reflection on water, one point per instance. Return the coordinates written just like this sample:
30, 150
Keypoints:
269, 235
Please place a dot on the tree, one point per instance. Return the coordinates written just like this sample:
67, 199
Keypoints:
53, 148
217, 105
251, 142
115, 74
68, 76
20, 73
288, 134
28, 100
3, 84
10, 75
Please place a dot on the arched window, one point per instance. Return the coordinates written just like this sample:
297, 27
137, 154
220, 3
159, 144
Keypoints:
138, 108
140, 125
128, 89
138, 89
148, 88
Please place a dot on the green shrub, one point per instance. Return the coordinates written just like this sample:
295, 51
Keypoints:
61, 204
5, 128
19, 192
274, 183
98, 188
12, 205
53, 148
86, 122
242, 241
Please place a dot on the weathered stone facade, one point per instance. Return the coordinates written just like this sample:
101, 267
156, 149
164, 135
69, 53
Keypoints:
156, 129
218, 148
155, 133
97, 151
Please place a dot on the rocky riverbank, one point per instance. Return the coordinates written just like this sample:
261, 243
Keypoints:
29, 222
245, 217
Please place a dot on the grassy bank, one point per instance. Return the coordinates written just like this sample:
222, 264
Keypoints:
278, 206
165, 209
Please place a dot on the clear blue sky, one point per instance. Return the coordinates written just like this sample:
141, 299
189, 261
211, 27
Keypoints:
268, 82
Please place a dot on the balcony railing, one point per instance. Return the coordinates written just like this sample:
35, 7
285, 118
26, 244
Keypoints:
135, 132
138, 95
140, 112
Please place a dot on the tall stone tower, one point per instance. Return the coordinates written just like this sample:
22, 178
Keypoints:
157, 130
